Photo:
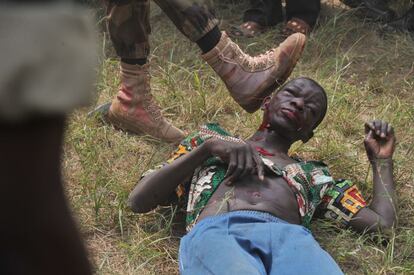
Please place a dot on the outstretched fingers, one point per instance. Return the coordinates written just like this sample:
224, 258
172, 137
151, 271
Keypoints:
243, 162
232, 164
249, 163
236, 166
259, 165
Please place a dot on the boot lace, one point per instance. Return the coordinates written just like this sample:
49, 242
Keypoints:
152, 107
260, 62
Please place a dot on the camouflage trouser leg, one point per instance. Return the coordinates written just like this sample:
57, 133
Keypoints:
194, 18
129, 27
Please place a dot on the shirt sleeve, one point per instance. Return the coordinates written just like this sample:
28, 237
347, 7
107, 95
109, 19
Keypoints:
191, 142
186, 146
341, 201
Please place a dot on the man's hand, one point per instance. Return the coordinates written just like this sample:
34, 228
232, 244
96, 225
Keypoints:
380, 215
379, 140
242, 158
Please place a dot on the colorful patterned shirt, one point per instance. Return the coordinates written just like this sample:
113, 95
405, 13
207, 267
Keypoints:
311, 182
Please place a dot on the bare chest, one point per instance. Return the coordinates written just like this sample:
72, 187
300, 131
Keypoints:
272, 195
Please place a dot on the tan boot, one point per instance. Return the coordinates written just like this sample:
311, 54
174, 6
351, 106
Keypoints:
250, 79
134, 109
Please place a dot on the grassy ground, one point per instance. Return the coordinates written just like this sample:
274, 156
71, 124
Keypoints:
367, 74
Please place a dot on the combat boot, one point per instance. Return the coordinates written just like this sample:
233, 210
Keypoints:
250, 79
134, 108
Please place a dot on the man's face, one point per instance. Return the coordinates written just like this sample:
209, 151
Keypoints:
296, 108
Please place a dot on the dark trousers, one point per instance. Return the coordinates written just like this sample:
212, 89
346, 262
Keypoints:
269, 12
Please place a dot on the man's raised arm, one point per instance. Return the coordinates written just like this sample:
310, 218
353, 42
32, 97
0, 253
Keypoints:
381, 214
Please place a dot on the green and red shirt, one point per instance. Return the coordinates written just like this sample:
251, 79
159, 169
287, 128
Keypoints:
311, 182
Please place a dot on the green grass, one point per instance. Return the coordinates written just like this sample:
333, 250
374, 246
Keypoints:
367, 75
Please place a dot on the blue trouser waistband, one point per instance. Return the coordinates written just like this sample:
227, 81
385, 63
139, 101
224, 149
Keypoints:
248, 216
253, 215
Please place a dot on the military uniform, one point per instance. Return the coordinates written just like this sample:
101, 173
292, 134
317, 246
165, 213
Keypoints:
129, 26
248, 79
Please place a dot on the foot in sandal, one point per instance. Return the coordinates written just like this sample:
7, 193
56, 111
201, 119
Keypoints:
247, 29
295, 25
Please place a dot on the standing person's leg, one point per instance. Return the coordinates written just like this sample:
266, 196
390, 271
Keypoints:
129, 28
301, 15
134, 109
260, 15
374, 9
405, 23
38, 234
48, 54
264, 12
248, 79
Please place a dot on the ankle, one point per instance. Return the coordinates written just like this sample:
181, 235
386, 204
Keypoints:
134, 61
209, 40
133, 70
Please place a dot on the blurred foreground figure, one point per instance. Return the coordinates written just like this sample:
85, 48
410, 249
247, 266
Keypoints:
248, 79
48, 55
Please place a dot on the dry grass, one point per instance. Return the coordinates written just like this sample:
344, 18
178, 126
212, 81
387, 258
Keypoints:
367, 75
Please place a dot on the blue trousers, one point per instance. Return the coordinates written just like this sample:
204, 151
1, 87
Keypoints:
252, 242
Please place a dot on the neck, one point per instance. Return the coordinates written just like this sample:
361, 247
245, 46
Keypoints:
272, 141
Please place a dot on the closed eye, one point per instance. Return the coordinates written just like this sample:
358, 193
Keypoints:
312, 110
292, 92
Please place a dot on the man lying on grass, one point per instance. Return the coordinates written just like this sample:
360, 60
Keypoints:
249, 203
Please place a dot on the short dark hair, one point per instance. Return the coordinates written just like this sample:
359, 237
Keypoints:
320, 88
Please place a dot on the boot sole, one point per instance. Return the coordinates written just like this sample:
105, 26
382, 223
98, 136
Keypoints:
130, 127
279, 82
100, 112
103, 113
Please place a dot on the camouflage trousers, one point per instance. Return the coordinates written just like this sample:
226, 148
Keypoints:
128, 22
